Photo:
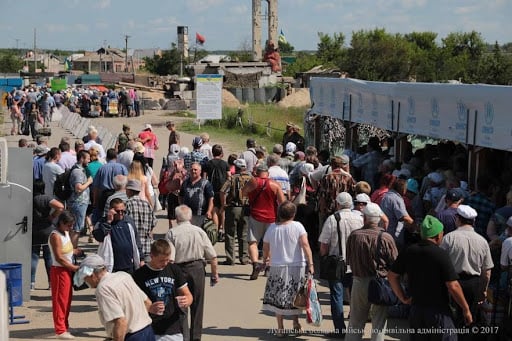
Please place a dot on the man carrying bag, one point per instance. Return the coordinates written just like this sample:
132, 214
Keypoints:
333, 238
361, 256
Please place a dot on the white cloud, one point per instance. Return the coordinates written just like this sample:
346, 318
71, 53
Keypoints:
102, 4
81, 27
326, 6
205, 5
240, 9
413, 3
55, 28
464, 10
102, 25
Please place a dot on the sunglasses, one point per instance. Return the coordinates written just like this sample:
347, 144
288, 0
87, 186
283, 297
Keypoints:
120, 211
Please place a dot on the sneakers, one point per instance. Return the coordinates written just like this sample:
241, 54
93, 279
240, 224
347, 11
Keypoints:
221, 235
65, 336
227, 262
32, 286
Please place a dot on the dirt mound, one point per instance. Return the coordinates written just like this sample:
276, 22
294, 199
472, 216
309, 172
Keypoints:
229, 100
300, 98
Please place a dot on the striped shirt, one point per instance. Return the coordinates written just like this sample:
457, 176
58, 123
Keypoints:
362, 248
277, 174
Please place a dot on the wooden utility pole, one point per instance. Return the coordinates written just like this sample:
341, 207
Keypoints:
126, 52
35, 54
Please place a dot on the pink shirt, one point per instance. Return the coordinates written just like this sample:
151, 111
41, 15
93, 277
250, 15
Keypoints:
149, 146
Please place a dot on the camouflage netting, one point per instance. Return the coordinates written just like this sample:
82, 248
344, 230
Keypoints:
236, 80
365, 131
332, 132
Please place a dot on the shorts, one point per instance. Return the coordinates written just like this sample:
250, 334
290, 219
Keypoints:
172, 203
216, 199
257, 230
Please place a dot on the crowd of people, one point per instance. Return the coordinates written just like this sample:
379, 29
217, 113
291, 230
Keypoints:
31, 108
281, 210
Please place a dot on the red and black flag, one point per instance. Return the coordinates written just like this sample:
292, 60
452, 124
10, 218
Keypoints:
200, 39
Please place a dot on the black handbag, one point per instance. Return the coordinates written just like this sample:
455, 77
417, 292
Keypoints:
333, 267
379, 289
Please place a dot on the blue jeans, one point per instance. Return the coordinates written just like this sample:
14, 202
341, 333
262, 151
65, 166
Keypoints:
79, 210
36, 250
336, 297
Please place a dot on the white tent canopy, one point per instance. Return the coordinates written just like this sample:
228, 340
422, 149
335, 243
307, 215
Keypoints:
480, 115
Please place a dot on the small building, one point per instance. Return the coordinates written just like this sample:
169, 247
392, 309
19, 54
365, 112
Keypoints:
105, 59
47, 61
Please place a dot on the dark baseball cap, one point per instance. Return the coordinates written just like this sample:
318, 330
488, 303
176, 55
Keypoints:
454, 194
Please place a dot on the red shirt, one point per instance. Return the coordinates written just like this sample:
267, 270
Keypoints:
265, 207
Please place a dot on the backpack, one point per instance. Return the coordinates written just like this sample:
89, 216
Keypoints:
235, 197
217, 177
211, 230
165, 173
62, 188
175, 176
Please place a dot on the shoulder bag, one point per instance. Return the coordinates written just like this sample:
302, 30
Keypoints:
333, 267
379, 289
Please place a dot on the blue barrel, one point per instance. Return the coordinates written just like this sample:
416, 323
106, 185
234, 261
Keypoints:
12, 273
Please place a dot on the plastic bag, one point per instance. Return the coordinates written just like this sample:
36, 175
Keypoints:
313, 307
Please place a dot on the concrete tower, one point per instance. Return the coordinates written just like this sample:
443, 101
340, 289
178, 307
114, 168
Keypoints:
272, 34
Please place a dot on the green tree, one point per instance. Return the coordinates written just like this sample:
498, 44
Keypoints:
305, 61
168, 63
497, 67
507, 47
10, 62
379, 56
424, 54
330, 51
285, 48
461, 56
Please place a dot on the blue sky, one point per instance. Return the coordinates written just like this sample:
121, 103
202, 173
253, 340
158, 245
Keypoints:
226, 24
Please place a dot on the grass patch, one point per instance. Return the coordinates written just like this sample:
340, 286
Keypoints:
255, 120
181, 113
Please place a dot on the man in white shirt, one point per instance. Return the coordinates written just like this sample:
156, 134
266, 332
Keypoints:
123, 307
348, 222
276, 173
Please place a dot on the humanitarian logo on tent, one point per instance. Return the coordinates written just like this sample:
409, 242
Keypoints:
375, 106
462, 115
360, 107
435, 123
